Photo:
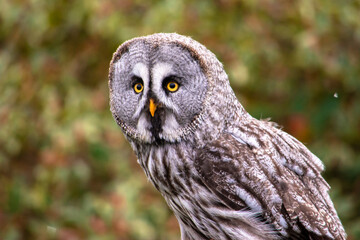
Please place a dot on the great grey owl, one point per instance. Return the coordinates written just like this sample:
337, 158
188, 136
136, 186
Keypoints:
225, 174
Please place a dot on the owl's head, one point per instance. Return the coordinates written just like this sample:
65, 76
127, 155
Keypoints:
159, 86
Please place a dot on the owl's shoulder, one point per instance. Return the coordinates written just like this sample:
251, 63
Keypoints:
258, 166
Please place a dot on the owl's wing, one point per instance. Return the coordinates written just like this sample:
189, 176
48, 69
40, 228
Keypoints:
287, 193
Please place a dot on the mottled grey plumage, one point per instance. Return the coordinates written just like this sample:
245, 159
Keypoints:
224, 174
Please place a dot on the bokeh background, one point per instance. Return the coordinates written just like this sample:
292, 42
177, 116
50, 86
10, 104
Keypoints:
66, 171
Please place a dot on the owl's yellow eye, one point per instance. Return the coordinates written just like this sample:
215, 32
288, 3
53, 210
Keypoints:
138, 87
172, 86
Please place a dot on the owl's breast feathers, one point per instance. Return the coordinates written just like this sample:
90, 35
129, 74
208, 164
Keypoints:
268, 187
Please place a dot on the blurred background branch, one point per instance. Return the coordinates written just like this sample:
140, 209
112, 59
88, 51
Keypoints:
66, 171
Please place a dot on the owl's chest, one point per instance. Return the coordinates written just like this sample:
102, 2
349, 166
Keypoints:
171, 171
168, 167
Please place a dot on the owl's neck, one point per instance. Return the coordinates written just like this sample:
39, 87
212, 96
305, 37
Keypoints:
164, 163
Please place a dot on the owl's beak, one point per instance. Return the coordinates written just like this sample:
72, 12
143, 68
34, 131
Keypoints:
152, 107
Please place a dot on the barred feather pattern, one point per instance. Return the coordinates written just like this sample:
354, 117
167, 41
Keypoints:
226, 175
201, 213
267, 188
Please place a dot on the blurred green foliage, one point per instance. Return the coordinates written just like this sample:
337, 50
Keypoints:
66, 171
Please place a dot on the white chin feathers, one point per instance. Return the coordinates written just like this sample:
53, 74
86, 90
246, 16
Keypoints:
143, 129
169, 129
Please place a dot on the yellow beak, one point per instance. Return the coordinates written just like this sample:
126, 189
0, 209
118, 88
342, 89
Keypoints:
152, 107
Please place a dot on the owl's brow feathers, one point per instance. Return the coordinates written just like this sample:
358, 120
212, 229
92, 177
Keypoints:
125, 48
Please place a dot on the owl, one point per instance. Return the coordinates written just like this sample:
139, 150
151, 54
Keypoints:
224, 174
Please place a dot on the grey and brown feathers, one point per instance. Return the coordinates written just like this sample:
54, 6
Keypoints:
224, 174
